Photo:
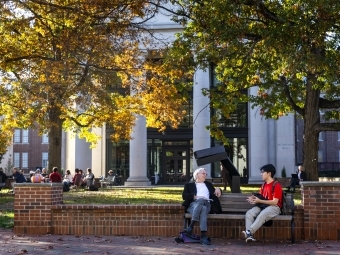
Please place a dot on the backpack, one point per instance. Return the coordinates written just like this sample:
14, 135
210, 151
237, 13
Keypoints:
66, 188
284, 202
184, 238
93, 188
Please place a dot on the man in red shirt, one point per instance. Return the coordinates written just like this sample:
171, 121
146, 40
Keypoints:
55, 176
267, 207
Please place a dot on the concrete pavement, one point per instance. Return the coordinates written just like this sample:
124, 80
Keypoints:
133, 245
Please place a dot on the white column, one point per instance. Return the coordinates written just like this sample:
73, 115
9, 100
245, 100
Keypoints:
201, 115
258, 142
272, 142
138, 155
285, 152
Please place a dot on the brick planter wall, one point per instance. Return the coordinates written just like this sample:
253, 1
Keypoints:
321, 202
149, 220
39, 210
32, 206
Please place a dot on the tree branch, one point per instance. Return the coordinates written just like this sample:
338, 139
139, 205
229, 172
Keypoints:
298, 109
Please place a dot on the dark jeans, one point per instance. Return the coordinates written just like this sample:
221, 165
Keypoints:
293, 182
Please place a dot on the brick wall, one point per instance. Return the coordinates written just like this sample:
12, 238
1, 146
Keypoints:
39, 210
321, 202
32, 206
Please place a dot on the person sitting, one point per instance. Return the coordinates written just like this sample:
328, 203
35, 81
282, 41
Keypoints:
267, 208
68, 178
31, 173
44, 172
296, 181
37, 177
55, 176
109, 180
77, 179
3, 178
89, 178
19, 177
197, 196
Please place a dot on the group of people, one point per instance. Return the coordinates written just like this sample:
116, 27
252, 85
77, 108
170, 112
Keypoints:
79, 179
201, 198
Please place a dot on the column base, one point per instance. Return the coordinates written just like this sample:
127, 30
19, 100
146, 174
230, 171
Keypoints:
137, 183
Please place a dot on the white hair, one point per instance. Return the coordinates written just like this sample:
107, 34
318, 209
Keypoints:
197, 171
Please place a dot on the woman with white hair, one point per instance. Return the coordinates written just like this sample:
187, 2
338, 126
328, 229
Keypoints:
198, 198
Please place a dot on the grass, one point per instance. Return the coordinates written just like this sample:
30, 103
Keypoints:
116, 195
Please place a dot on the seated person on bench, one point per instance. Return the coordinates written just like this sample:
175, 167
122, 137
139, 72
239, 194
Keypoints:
197, 196
301, 176
266, 208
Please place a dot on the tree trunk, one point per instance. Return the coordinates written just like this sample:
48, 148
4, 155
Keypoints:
54, 138
311, 131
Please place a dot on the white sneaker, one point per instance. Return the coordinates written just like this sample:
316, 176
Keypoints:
250, 239
244, 235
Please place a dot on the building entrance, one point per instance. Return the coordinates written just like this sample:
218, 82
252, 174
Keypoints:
176, 165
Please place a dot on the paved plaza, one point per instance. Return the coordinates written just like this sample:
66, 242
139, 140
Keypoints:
133, 245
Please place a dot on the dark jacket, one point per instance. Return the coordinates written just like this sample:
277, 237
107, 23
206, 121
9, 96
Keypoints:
4, 176
303, 176
19, 178
190, 191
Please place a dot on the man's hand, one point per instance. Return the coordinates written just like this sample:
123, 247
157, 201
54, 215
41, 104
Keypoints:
218, 192
253, 200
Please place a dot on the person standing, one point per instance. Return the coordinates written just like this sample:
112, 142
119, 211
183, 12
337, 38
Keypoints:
272, 193
197, 197
55, 176
3, 178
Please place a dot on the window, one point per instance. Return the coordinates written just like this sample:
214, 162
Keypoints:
45, 138
16, 159
320, 156
321, 134
24, 160
17, 136
44, 159
25, 136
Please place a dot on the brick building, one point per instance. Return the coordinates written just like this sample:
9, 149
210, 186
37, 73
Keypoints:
30, 150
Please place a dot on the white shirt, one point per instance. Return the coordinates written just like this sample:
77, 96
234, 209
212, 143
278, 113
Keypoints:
202, 190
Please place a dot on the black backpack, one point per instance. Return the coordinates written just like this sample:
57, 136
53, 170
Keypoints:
66, 188
93, 188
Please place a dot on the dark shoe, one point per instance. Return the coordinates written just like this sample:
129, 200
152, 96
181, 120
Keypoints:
205, 241
188, 231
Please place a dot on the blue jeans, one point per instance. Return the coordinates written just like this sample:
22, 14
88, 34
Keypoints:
199, 210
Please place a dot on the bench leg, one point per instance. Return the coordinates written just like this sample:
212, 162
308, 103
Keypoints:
187, 222
292, 227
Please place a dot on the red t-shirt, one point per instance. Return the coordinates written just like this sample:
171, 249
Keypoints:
55, 177
268, 193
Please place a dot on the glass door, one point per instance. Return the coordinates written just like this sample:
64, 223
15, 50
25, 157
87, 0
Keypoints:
176, 165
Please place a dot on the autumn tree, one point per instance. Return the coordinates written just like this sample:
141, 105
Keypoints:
75, 65
288, 49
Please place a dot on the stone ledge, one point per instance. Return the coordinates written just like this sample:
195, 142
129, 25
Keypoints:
43, 184
320, 184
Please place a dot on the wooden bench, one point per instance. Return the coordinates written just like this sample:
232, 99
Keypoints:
235, 206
